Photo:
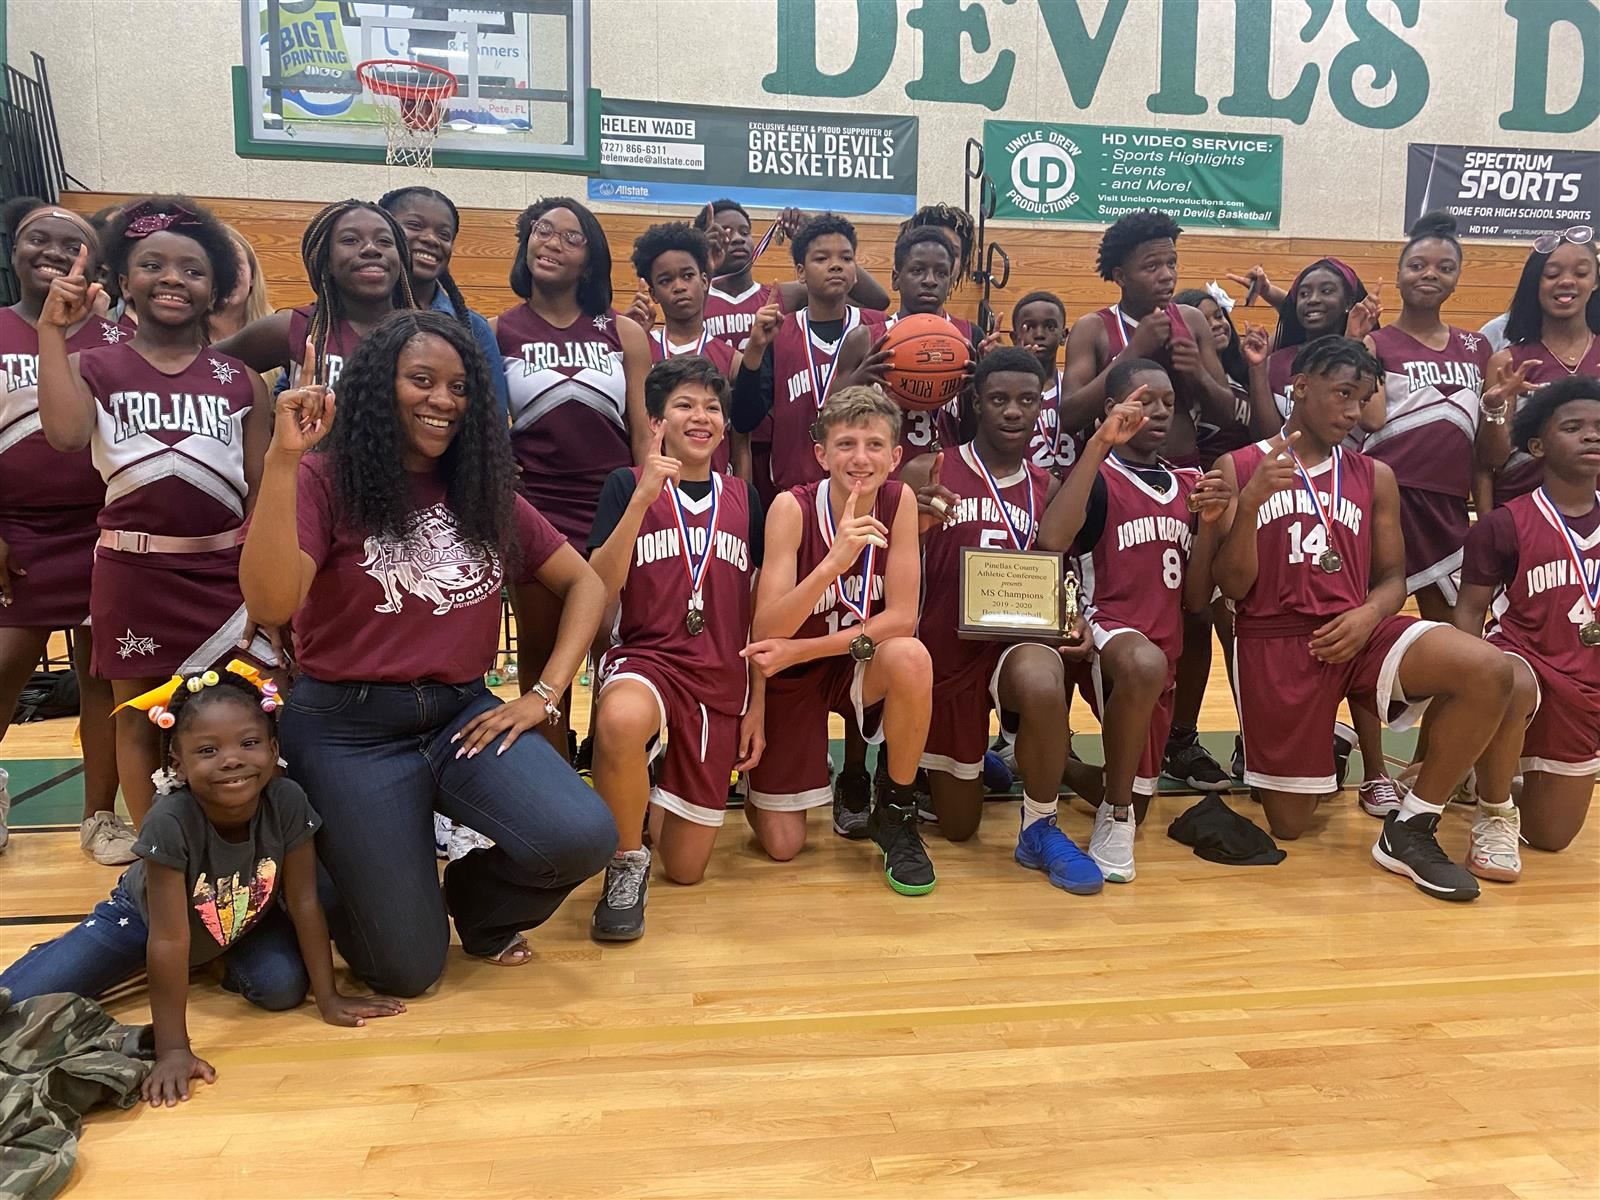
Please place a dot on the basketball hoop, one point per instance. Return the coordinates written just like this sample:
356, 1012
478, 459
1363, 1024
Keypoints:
410, 97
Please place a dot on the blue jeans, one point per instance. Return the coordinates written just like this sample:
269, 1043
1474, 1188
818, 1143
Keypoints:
377, 762
108, 947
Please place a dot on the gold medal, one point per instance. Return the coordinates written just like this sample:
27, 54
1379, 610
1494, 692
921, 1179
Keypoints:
1589, 634
695, 622
1330, 562
862, 648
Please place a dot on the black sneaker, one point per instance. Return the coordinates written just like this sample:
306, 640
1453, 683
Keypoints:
1238, 758
1344, 742
619, 916
582, 753
906, 865
852, 801
1189, 762
1407, 846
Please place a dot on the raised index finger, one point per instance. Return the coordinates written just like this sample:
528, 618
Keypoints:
81, 263
775, 296
853, 506
308, 371
660, 438
938, 466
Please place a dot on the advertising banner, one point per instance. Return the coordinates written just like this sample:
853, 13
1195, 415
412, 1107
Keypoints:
1497, 192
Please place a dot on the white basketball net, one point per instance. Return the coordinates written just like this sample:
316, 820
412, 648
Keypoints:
410, 98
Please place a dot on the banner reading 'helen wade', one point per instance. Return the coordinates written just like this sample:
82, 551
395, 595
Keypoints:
668, 153
1495, 192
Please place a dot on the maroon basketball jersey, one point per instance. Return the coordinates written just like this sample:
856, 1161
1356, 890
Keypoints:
1134, 575
169, 447
342, 342
729, 316
1291, 589
1521, 472
1540, 612
1432, 399
832, 612
977, 520
1119, 332
569, 411
32, 475
652, 616
1213, 441
721, 356
802, 363
923, 430
1053, 448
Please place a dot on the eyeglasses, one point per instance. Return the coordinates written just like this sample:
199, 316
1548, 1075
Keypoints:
1578, 235
544, 229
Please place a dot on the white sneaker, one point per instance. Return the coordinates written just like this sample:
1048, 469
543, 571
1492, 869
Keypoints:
5, 806
1111, 843
1494, 852
108, 839
443, 826
464, 841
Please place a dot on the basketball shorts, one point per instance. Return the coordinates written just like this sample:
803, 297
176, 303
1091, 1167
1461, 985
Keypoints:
958, 727
1563, 736
1288, 701
793, 772
1148, 773
1435, 527
695, 746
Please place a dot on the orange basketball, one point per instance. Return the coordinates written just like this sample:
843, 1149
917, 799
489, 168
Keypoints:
927, 364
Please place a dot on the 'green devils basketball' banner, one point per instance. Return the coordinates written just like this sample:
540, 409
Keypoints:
1097, 173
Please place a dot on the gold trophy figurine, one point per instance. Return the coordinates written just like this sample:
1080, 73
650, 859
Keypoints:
1069, 606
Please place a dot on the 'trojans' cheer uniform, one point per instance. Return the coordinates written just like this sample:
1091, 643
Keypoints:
1433, 399
569, 412
170, 449
49, 501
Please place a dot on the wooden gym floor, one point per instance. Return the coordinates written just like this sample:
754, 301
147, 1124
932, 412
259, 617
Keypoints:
1316, 1029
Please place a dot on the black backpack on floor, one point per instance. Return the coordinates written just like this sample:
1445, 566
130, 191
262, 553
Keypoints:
48, 694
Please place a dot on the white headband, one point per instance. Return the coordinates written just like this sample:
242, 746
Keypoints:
1224, 301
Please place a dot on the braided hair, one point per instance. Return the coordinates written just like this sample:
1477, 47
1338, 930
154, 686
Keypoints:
954, 222
316, 253
392, 200
231, 687
1327, 354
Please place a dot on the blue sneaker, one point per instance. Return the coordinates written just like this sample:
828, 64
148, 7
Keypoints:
996, 775
1043, 847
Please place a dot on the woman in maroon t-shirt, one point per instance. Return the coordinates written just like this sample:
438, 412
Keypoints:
388, 549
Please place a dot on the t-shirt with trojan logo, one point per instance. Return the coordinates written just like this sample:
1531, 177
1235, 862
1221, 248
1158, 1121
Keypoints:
423, 603
230, 885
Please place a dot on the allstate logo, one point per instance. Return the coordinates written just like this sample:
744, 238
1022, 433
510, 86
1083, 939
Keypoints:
1043, 172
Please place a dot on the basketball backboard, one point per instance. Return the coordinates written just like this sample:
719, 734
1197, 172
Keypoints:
522, 103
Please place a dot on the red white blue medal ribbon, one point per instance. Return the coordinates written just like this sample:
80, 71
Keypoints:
1020, 540
822, 376
1335, 471
869, 556
1558, 522
699, 347
766, 240
696, 569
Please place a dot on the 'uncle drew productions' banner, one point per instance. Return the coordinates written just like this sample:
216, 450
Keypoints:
1495, 192
691, 153
1098, 173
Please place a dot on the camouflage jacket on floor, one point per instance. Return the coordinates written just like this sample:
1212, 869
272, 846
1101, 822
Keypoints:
60, 1056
